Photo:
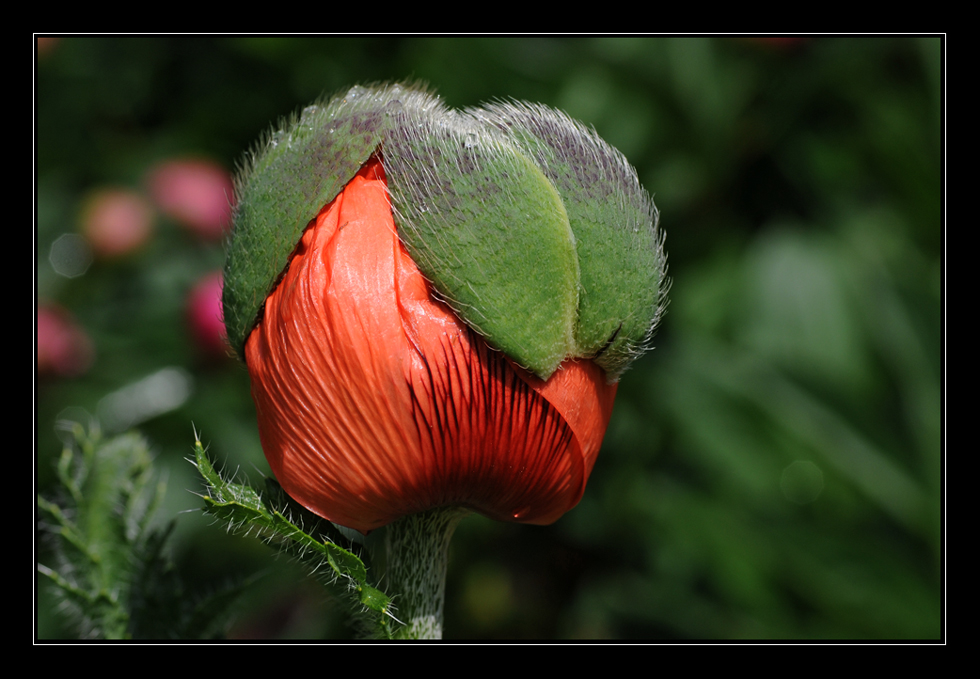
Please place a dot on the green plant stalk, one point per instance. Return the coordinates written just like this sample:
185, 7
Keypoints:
417, 549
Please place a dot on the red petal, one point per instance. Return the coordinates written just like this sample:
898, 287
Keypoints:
374, 401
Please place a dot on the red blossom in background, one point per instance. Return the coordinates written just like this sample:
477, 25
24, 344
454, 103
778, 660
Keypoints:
197, 193
204, 316
63, 348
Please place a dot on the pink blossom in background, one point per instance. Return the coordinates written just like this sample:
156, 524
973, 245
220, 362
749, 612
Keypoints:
197, 193
63, 348
116, 221
204, 316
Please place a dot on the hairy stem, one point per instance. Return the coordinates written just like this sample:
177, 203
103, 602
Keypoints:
418, 552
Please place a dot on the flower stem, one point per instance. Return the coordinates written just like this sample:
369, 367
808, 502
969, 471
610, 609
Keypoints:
418, 552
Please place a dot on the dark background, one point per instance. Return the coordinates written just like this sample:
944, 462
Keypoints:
773, 469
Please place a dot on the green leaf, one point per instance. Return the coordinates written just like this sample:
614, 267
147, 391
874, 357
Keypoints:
279, 521
345, 563
111, 568
372, 598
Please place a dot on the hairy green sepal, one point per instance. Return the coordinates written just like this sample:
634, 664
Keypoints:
533, 229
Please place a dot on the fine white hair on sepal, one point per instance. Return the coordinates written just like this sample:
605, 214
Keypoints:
527, 223
604, 199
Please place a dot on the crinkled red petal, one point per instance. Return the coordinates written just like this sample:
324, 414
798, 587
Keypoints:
374, 401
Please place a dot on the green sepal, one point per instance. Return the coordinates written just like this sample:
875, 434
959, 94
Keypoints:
489, 230
288, 178
535, 231
620, 249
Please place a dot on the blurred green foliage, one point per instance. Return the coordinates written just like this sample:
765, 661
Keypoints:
111, 571
773, 470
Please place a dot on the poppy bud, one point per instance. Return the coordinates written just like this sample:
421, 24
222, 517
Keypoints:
434, 306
